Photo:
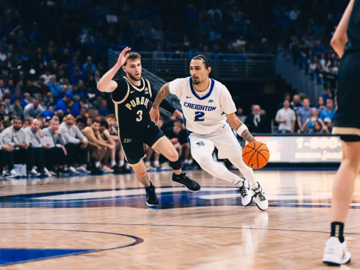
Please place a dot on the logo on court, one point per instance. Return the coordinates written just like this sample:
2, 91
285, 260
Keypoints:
200, 143
127, 140
211, 101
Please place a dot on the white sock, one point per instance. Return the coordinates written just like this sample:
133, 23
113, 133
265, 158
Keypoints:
121, 163
255, 186
156, 163
97, 164
127, 166
238, 182
113, 163
147, 163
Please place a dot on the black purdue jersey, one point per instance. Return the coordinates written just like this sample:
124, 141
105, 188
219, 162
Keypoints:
131, 103
353, 30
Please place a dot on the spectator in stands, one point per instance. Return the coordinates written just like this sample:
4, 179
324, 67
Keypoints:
26, 100
98, 148
89, 63
328, 94
240, 115
63, 103
76, 145
22, 154
178, 137
303, 115
296, 103
110, 119
49, 99
56, 153
320, 104
310, 121
329, 111
6, 102
103, 110
108, 138
330, 78
257, 122
318, 128
33, 109
286, 118
34, 137
54, 87
16, 109
327, 125
5, 149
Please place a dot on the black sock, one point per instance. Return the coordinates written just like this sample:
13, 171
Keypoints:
337, 230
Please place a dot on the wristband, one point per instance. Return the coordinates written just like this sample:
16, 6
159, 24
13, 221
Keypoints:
241, 129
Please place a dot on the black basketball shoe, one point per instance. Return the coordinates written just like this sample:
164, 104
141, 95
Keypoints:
151, 199
186, 181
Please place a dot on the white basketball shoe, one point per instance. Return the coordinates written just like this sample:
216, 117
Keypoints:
245, 191
260, 198
335, 252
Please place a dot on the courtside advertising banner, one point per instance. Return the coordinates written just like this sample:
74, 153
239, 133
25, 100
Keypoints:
297, 149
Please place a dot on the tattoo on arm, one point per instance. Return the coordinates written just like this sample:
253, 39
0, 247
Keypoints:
247, 136
164, 91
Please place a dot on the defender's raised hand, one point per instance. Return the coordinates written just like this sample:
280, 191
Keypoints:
123, 56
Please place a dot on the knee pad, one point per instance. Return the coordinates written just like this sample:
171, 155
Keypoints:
176, 165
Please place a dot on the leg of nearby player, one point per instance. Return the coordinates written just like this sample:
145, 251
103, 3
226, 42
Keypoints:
343, 188
143, 177
166, 148
141, 173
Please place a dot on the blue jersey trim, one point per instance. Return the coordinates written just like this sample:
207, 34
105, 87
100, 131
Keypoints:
194, 92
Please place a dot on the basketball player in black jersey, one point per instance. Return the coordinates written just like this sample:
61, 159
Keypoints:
346, 43
131, 96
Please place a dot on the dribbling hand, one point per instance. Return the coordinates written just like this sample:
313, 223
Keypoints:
123, 56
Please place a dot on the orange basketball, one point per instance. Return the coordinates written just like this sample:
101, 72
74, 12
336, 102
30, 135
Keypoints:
256, 155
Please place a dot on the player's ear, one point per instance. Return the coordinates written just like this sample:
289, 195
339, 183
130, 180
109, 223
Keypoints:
124, 68
209, 70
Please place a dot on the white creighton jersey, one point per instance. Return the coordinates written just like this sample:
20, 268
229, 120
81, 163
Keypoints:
204, 112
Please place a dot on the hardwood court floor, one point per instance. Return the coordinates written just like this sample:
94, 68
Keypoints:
103, 223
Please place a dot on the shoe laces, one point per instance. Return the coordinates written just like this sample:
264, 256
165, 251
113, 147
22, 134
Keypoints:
260, 194
243, 191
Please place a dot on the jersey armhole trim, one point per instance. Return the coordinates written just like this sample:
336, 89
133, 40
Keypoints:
126, 96
149, 85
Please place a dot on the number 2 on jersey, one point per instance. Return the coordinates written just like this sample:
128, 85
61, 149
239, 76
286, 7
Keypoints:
140, 113
199, 116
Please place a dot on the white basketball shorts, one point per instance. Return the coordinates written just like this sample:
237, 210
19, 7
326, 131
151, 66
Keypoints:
223, 139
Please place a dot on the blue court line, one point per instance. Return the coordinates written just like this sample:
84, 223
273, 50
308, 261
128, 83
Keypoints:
137, 241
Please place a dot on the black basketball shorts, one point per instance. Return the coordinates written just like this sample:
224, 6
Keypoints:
347, 117
132, 141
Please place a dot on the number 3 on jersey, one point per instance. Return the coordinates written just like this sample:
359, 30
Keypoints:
199, 116
140, 113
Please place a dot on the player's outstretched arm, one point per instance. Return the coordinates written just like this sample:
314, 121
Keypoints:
106, 83
239, 127
340, 38
161, 95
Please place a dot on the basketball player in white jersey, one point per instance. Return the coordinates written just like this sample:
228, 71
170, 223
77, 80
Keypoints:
209, 116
